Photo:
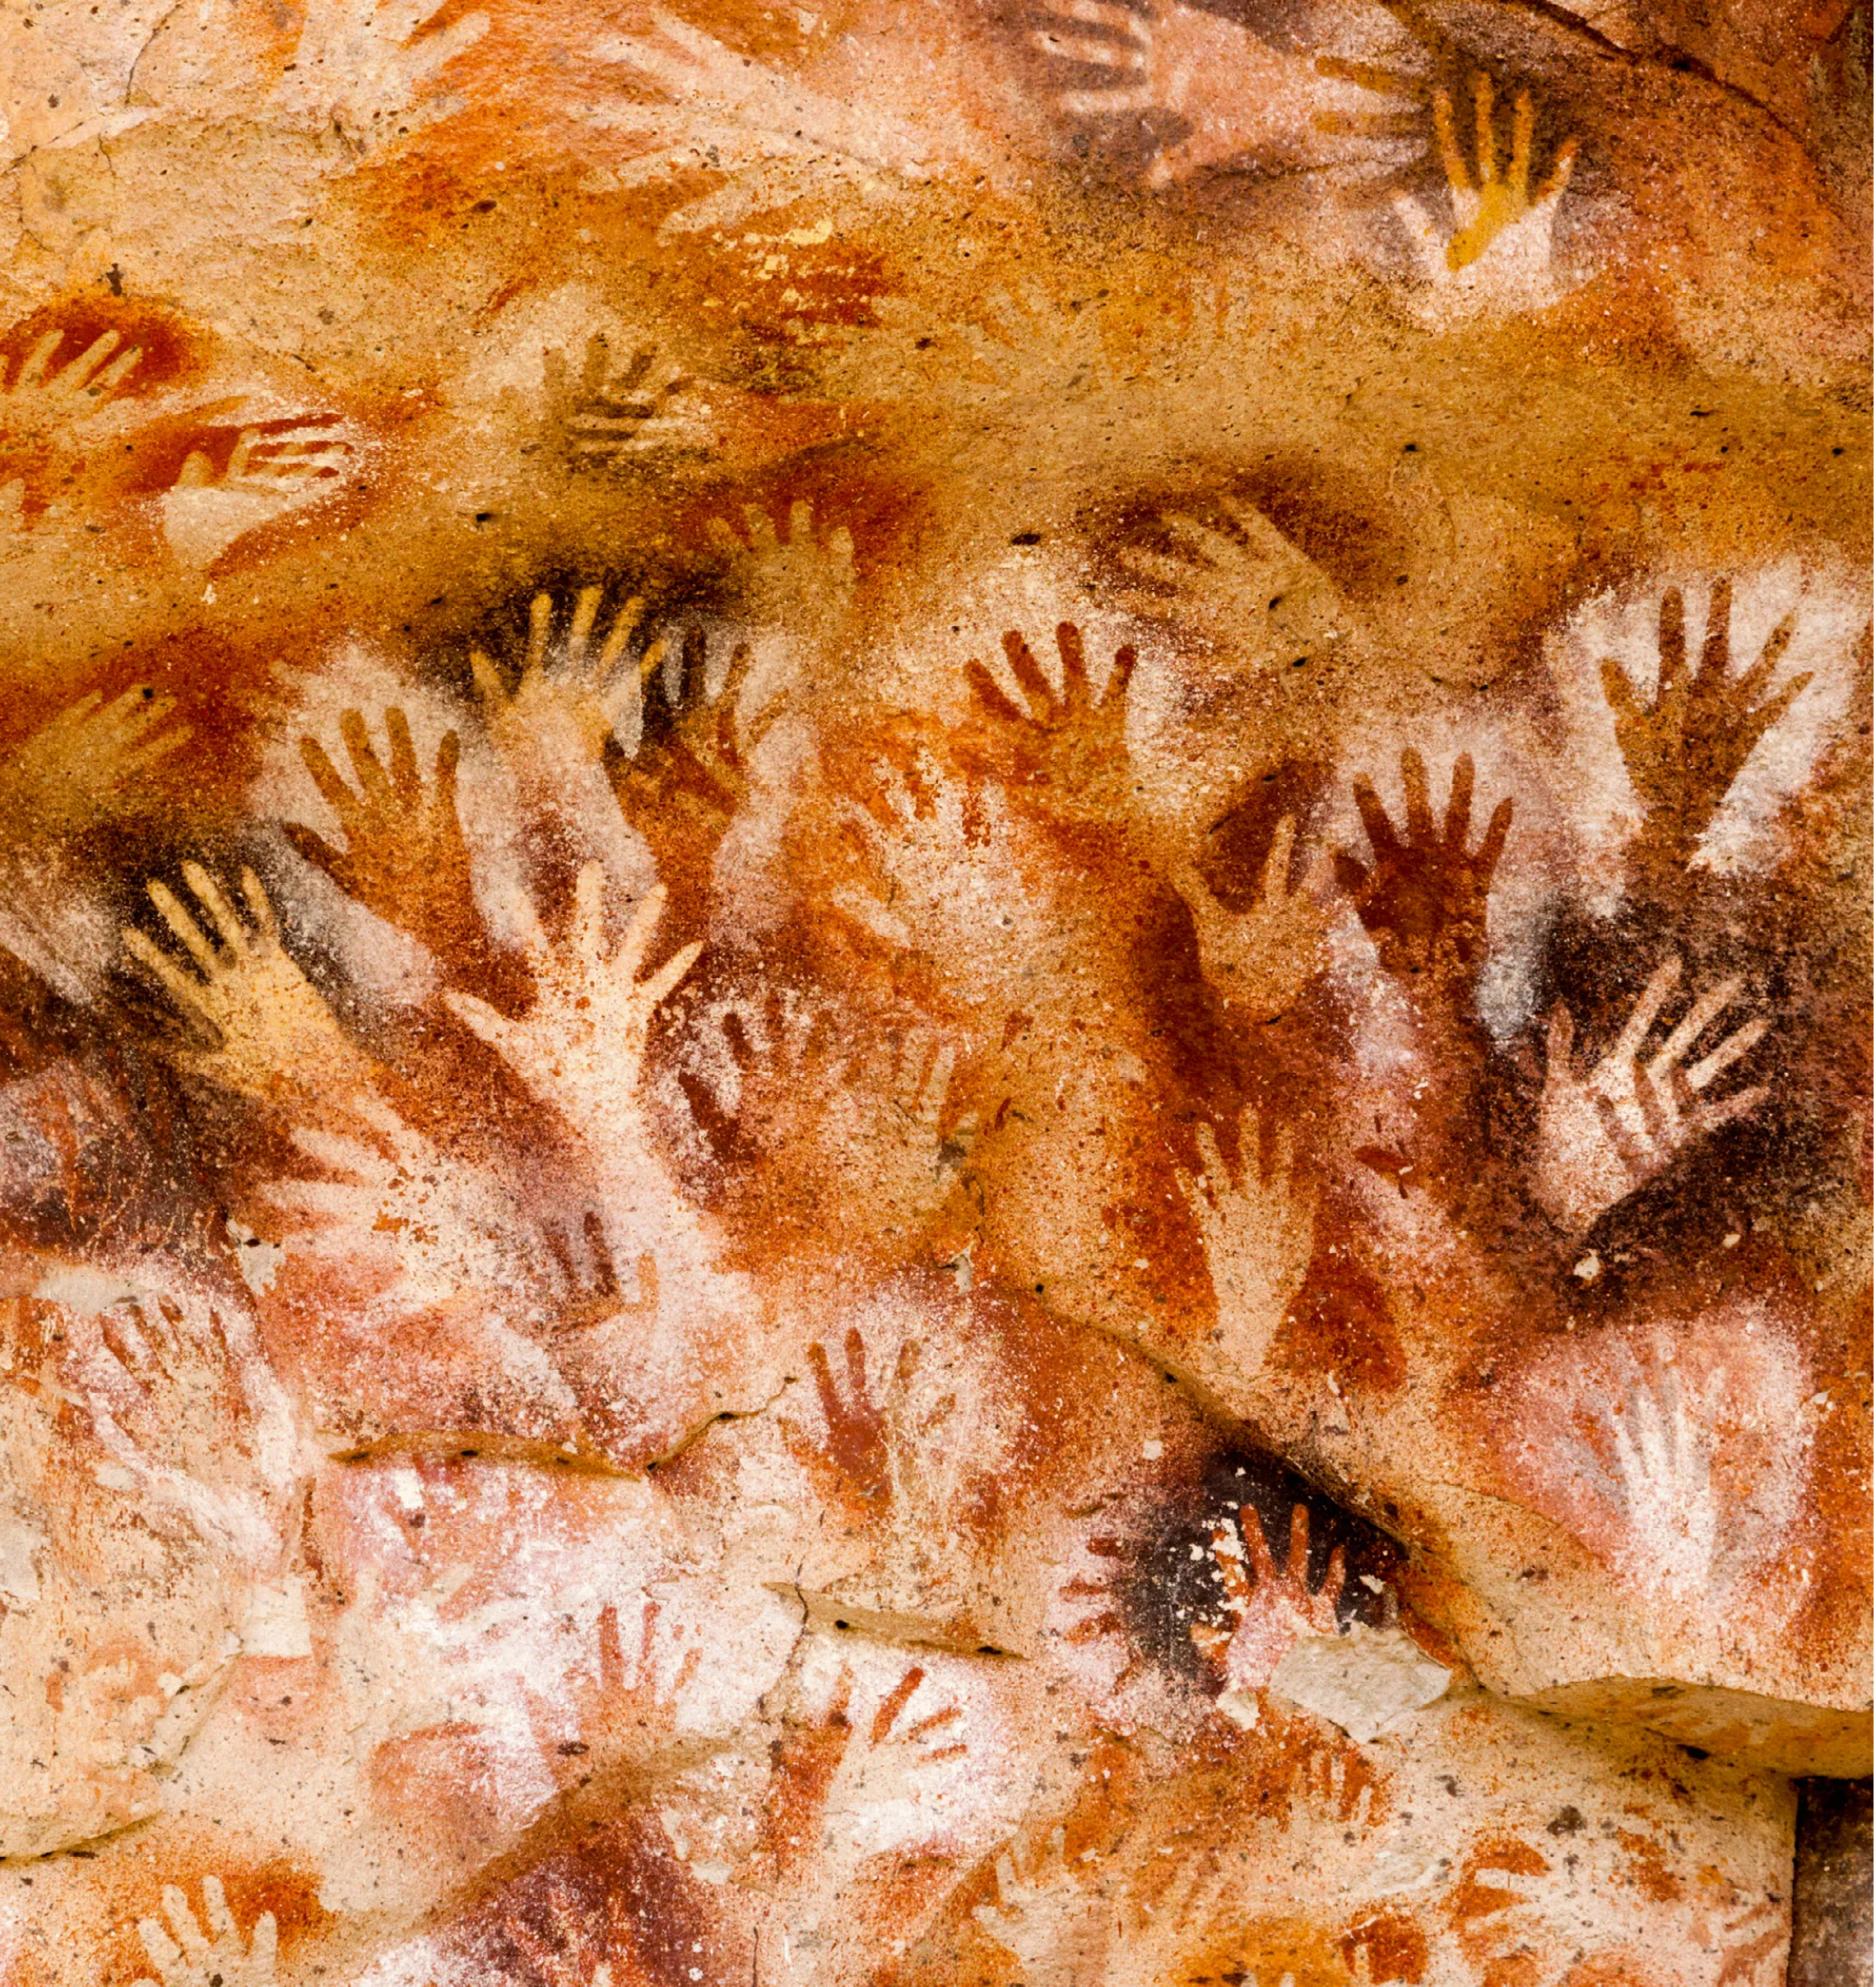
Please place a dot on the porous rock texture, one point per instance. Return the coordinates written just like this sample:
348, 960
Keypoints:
934, 993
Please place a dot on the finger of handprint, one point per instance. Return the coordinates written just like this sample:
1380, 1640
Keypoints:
586, 612
1127, 658
937, 1087
333, 790
32, 370
1369, 123
1497, 830
1724, 1110
343, 1155
1199, 543
1074, 667
1642, 1017
1374, 819
407, 782
1126, 56
1212, 1160
1418, 805
693, 668
184, 926
215, 1908
990, 693
72, 719
1459, 803
1740, 1042
1297, 1566
673, 970
74, 378
1752, 685
165, 1955
1335, 1575
366, 768
1716, 651
189, 1934
1558, 176
186, 992
1655, 1119
1694, 1023
482, 1020
114, 374
1481, 119
1619, 693
1523, 119
151, 750
208, 893
638, 928
1559, 1036
259, 908
540, 633
588, 931
263, 1945
1672, 642
1274, 882
1028, 671
624, 625
1768, 714
488, 680
1445, 135
761, 527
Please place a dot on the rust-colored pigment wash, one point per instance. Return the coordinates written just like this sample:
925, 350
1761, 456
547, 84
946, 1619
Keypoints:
934, 991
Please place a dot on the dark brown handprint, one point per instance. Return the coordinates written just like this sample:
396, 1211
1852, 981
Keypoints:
1065, 754
853, 1446
1684, 749
1423, 900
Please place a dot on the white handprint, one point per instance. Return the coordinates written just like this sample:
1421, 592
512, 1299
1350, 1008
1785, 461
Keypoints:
269, 473
1057, 1930
218, 1958
363, 65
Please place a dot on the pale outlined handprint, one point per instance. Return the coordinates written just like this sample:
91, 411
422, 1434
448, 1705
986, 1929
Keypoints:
433, 1226
1500, 252
1259, 959
1602, 1135
1259, 1236
72, 771
1684, 749
404, 858
570, 692
1240, 96
620, 1708
186, 1955
578, 1048
1056, 1928
1241, 583
367, 66
1423, 900
41, 397
1271, 1607
273, 1035
613, 415
270, 472
797, 579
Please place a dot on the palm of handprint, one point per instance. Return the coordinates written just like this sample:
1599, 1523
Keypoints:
1064, 754
1269, 1606
610, 416
1259, 960
211, 1951
1423, 900
1684, 749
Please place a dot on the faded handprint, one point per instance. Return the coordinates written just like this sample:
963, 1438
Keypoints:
1056, 1928
1243, 583
1423, 902
612, 416
364, 67
798, 581
405, 857
578, 1048
1259, 959
1501, 250
1239, 96
186, 1956
273, 1035
1271, 1607
1684, 749
1602, 1135
566, 1945
71, 772
41, 398
434, 1227
619, 1708
689, 772
1258, 1237
570, 694
269, 472
1066, 754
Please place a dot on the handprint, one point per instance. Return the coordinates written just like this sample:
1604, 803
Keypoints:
1259, 960
578, 1048
610, 416
268, 473
1240, 96
434, 1227
361, 65
218, 1958
1067, 754
1057, 1930
855, 1441
1601, 1136
1243, 583
570, 1948
1423, 902
798, 581
40, 398
570, 694
1270, 1607
1684, 750
66, 776
404, 858
273, 1037
1258, 1239
619, 1709
1501, 247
